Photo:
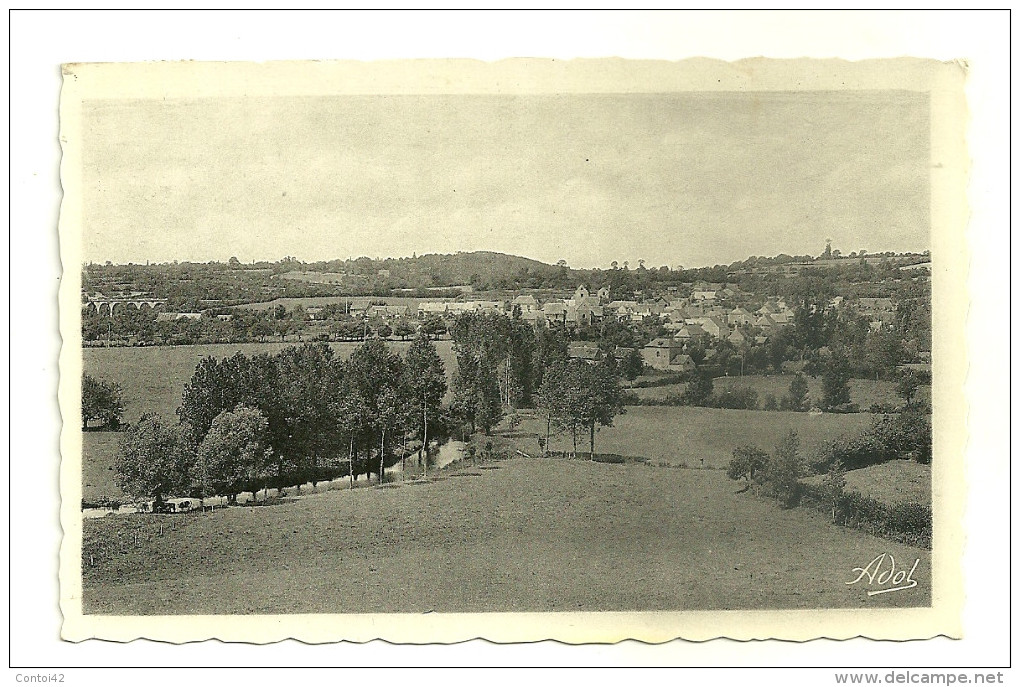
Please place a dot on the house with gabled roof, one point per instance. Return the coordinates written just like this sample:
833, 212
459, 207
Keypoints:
555, 311
658, 352
691, 331
737, 338
766, 323
739, 316
682, 362
583, 315
526, 302
715, 327
387, 312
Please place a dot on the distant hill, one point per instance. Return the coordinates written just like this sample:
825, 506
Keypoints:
477, 268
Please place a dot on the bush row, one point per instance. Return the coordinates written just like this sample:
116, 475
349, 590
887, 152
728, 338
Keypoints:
663, 380
909, 523
904, 435
734, 398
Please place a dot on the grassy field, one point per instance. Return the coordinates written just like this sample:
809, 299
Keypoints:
153, 378
863, 392
520, 535
687, 435
99, 454
897, 481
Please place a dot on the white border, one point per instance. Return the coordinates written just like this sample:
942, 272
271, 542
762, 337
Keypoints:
39, 42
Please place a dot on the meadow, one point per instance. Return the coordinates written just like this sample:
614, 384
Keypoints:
863, 392
153, 377
686, 435
525, 534
893, 482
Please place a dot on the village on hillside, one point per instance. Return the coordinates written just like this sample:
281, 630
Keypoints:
674, 325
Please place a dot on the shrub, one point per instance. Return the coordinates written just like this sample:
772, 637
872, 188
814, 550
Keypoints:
912, 519
906, 434
674, 399
607, 458
770, 403
699, 389
796, 399
851, 451
834, 485
738, 398
784, 469
663, 380
843, 408
746, 463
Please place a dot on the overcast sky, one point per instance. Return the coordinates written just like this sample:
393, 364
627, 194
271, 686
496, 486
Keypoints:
676, 179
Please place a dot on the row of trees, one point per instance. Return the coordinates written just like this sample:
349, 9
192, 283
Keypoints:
247, 423
504, 363
496, 367
577, 396
244, 325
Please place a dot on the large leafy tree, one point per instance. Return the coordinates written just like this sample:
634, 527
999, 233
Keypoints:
476, 398
883, 351
551, 347
699, 388
156, 459
100, 400
378, 377
234, 455
426, 386
633, 365
796, 399
304, 402
908, 384
602, 398
550, 397
220, 385
836, 381
350, 413
214, 387
391, 418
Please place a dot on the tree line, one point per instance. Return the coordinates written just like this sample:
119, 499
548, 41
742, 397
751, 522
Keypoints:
248, 423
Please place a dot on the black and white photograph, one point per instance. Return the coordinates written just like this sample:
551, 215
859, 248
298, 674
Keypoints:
651, 339
360, 340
